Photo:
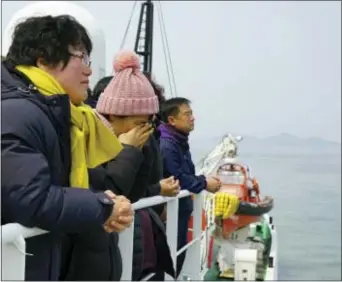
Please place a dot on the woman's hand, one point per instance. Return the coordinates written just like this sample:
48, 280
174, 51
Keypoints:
137, 136
169, 187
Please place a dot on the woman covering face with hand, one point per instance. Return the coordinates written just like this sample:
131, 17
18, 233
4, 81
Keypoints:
127, 106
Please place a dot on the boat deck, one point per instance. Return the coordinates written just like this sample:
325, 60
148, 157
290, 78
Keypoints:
213, 273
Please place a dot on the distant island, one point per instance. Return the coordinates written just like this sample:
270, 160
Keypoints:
286, 139
284, 143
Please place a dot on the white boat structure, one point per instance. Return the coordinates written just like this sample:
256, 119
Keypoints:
244, 246
247, 250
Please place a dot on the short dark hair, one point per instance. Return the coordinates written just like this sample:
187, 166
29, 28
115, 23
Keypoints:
100, 86
48, 38
171, 107
158, 89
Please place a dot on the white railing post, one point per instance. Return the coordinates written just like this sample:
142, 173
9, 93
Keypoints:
172, 229
192, 263
126, 239
14, 248
274, 250
13, 256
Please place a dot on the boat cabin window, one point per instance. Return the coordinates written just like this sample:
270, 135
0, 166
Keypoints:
231, 177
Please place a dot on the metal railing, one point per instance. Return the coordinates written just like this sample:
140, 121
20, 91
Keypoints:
14, 245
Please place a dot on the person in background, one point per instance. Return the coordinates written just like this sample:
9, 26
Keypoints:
158, 185
168, 187
178, 119
86, 258
98, 89
49, 140
129, 103
96, 256
159, 91
90, 101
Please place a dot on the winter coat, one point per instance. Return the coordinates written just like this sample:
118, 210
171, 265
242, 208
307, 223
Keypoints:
35, 164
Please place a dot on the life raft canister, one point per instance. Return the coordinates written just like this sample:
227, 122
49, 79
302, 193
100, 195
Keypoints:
235, 222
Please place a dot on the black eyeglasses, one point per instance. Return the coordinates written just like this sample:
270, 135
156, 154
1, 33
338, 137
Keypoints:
84, 57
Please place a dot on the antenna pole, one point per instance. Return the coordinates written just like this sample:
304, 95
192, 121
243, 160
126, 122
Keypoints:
144, 39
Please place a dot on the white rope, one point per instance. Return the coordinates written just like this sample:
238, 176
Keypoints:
128, 25
162, 34
168, 49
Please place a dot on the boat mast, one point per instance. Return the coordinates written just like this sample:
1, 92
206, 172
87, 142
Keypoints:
144, 39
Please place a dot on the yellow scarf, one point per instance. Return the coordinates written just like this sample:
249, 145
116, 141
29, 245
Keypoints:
92, 143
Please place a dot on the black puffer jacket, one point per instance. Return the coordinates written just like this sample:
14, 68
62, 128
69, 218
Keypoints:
35, 157
156, 173
148, 179
95, 256
164, 260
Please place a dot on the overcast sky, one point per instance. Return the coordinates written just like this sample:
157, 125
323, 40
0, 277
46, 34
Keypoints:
257, 68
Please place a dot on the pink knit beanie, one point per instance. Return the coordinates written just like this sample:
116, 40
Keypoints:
129, 93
